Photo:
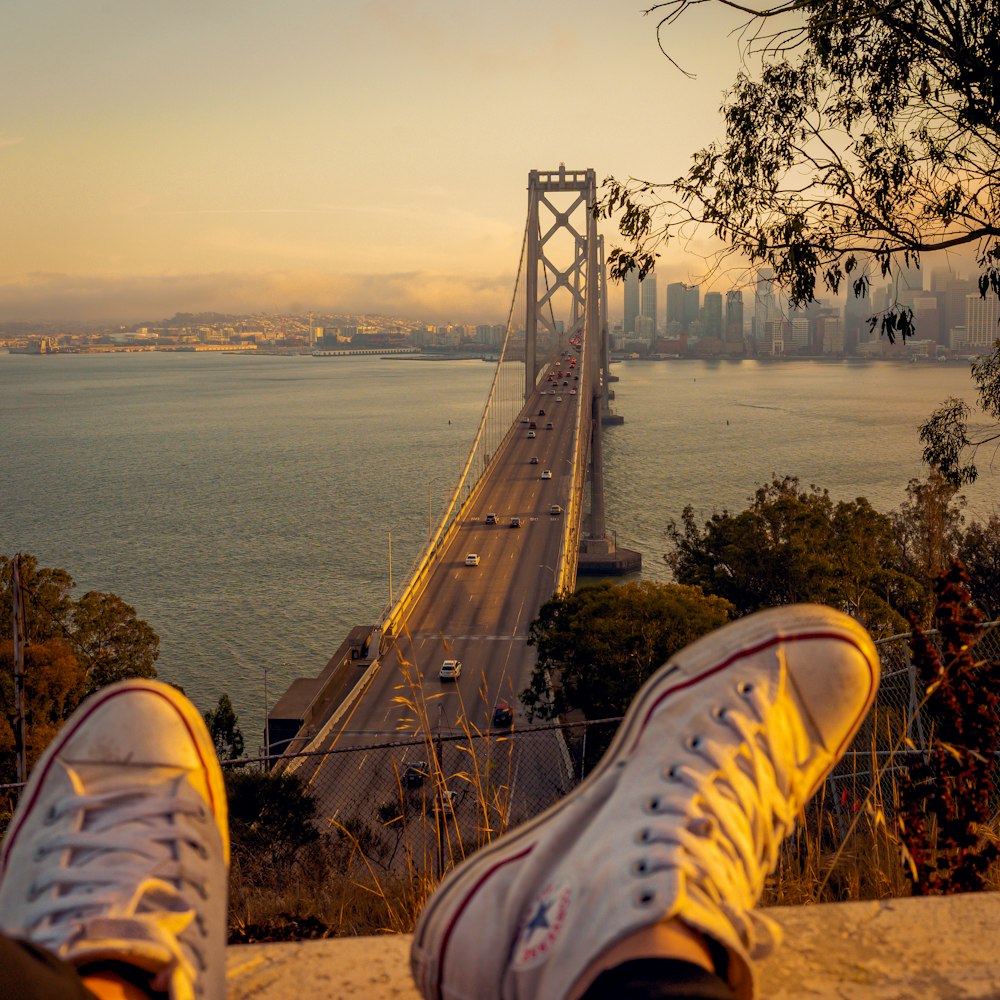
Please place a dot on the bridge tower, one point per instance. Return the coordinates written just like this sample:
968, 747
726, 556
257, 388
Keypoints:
548, 229
565, 253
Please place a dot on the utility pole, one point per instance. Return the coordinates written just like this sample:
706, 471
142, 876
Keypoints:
20, 642
267, 726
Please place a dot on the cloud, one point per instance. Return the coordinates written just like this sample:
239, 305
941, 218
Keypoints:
10, 140
417, 295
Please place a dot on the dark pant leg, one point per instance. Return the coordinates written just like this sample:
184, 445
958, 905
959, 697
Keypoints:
658, 979
28, 972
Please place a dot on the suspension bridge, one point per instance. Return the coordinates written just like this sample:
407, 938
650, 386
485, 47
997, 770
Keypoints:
520, 525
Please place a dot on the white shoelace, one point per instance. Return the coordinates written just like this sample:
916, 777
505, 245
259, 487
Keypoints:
743, 810
123, 874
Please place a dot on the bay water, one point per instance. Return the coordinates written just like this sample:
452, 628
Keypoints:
246, 506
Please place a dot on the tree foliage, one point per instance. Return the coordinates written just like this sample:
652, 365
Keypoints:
271, 815
949, 446
946, 803
54, 683
47, 604
928, 529
859, 136
111, 641
597, 646
979, 551
106, 635
73, 648
224, 728
793, 544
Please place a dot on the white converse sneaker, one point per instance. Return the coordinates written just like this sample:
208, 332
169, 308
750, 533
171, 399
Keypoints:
682, 817
119, 848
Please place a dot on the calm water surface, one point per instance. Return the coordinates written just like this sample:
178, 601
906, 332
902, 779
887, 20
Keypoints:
243, 504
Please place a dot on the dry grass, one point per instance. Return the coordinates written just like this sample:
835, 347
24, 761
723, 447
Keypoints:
357, 880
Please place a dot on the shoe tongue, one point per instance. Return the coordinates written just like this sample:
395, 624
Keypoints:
147, 944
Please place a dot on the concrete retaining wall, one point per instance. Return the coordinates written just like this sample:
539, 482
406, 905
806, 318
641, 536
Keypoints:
894, 949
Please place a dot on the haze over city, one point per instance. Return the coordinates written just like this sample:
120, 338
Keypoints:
361, 157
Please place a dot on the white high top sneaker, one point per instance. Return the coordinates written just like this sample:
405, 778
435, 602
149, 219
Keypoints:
682, 818
119, 848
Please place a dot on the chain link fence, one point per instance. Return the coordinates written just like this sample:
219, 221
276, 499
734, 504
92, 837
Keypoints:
423, 804
898, 728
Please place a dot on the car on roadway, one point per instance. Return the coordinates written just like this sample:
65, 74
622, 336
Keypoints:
541, 413
503, 715
533, 460
572, 392
548, 426
414, 774
515, 522
558, 399
450, 670
532, 434
472, 559
491, 519
546, 473
555, 509
532, 425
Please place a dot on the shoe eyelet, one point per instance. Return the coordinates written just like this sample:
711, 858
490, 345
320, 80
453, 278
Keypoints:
33, 893
645, 897
653, 805
51, 815
640, 867
644, 836
719, 713
671, 773
39, 853
693, 742
744, 688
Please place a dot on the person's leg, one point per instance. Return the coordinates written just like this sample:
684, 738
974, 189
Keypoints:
116, 860
661, 854
31, 973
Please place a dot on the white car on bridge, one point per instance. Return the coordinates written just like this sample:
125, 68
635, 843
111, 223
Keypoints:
450, 670
472, 559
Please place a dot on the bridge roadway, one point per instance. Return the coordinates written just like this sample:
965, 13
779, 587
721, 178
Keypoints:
479, 615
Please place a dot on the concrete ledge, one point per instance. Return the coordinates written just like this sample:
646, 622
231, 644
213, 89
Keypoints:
895, 949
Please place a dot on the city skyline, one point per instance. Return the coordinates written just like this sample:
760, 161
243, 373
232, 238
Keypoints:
368, 158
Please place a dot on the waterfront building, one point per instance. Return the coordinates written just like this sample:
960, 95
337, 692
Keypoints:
774, 336
928, 317
799, 339
981, 319
830, 334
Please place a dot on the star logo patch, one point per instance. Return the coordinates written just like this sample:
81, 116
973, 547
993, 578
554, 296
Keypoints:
541, 925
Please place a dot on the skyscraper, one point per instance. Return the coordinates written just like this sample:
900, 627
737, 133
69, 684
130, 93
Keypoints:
711, 325
631, 301
692, 307
648, 304
982, 317
675, 306
732, 332
765, 311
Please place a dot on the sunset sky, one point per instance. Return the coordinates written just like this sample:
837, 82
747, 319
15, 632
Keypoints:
351, 155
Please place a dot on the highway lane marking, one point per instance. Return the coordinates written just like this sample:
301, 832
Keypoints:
488, 638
